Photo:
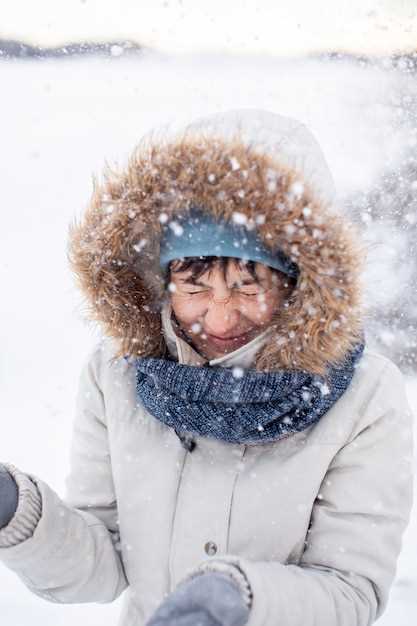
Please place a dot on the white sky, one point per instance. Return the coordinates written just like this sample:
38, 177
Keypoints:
272, 26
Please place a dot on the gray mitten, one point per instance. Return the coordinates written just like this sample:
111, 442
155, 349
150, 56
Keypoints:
9, 496
209, 599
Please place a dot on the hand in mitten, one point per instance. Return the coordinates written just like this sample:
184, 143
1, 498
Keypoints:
9, 496
208, 599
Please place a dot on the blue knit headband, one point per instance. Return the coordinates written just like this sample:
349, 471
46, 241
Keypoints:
199, 234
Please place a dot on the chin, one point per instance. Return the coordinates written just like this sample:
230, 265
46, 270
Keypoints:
211, 352
215, 354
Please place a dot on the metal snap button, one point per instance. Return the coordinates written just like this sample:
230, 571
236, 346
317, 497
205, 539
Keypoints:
210, 548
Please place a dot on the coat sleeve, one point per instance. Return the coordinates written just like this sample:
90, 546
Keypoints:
73, 555
355, 534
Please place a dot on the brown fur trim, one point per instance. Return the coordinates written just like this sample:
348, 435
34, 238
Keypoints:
114, 249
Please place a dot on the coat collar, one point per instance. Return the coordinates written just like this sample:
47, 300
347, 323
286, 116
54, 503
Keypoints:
187, 355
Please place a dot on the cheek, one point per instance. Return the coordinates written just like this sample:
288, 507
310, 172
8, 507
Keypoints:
186, 310
260, 312
191, 310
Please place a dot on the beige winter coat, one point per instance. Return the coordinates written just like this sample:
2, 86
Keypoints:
314, 520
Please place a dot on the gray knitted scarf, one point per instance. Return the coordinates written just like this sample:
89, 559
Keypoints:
252, 407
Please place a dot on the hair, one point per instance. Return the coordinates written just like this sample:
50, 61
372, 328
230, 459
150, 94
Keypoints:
199, 265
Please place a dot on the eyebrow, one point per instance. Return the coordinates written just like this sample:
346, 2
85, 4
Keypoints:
191, 281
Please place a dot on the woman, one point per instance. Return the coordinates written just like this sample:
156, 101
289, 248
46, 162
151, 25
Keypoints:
237, 456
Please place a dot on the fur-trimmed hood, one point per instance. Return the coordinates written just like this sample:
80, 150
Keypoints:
265, 167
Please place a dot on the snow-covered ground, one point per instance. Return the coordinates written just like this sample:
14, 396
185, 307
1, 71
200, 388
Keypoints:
59, 121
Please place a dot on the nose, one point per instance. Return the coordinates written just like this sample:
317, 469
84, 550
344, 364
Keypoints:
221, 298
221, 316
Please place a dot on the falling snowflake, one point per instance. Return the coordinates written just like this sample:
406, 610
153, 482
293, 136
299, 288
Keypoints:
306, 396
297, 189
140, 245
239, 218
323, 387
234, 163
176, 228
238, 372
290, 229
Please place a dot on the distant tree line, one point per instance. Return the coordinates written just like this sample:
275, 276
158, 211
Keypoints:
12, 49
15, 49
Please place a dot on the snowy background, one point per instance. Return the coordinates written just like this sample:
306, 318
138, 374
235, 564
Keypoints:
60, 121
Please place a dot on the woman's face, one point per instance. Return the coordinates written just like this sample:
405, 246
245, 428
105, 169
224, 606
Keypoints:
221, 311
